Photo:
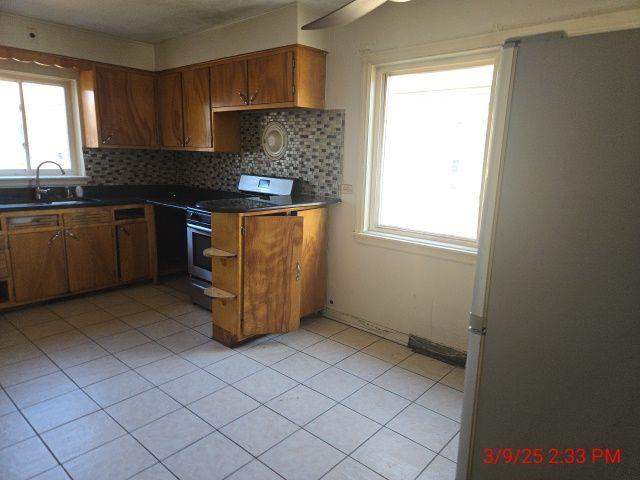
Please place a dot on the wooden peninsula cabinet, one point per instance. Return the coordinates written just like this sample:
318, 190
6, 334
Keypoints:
55, 252
269, 270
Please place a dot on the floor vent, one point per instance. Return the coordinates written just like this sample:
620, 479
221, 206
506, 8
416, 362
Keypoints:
437, 351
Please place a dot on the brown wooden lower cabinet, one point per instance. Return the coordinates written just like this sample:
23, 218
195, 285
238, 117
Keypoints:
269, 270
57, 252
133, 256
91, 257
39, 264
272, 270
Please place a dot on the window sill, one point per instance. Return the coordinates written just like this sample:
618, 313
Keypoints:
45, 181
445, 251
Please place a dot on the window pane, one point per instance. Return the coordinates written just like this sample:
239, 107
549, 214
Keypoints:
433, 150
12, 153
47, 127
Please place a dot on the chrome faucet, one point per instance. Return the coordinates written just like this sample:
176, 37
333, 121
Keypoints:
39, 190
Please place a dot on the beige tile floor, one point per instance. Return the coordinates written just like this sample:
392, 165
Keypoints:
127, 384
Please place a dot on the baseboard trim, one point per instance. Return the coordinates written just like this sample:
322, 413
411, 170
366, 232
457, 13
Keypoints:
417, 344
438, 351
362, 324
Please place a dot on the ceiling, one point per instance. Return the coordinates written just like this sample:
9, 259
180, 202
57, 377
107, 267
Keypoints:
149, 20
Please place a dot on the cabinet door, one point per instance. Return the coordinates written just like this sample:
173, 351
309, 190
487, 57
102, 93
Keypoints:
126, 107
111, 86
271, 274
229, 84
133, 251
196, 105
170, 109
271, 79
314, 261
39, 265
91, 257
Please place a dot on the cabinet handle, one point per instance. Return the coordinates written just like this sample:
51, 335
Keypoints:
55, 235
125, 231
72, 235
186, 141
243, 97
253, 97
298, 271
107, 139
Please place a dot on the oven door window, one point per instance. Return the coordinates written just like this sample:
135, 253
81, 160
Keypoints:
200, 242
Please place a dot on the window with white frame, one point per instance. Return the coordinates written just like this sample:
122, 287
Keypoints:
38, 123
427, 134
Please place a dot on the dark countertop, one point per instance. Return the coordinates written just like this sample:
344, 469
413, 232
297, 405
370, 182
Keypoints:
258, 203
174, 196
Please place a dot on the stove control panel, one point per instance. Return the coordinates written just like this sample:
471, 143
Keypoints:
266, 185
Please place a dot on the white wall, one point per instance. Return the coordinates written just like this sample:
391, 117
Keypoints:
411, 293
271, 30
274, 29
74, 42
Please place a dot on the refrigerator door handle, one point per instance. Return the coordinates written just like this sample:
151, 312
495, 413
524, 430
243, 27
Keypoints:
477, 324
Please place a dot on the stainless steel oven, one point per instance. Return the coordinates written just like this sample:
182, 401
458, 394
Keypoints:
199, 239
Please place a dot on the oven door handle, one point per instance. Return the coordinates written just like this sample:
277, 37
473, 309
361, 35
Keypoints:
199, 228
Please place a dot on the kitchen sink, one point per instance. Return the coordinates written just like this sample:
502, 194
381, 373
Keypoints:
68, 202
20, 203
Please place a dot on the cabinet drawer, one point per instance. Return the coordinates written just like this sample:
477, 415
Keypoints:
32, 221
87, 217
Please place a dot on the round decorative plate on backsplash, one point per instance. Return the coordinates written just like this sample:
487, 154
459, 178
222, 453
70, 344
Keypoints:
274, 140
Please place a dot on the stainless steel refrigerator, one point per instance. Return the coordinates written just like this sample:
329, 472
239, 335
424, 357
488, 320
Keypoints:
554, 343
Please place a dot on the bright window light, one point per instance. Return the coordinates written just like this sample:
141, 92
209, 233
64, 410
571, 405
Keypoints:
36, 125
46, 111
432, 151
12, 152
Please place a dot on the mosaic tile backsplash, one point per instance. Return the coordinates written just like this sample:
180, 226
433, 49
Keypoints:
314, 155
130, 167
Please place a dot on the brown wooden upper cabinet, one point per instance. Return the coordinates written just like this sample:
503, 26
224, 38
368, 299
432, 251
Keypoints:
170, 121
195, 107
118, 107
280, 78
185, 118
229, 84
271, 79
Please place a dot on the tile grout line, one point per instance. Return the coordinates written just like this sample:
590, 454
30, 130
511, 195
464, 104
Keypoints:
311, 433
125, 429
260, 404
39, 435
274, 339
127, 432
112, 354
411, 402
265, 366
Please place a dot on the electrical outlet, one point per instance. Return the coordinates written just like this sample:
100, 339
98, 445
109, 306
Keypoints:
347, 189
